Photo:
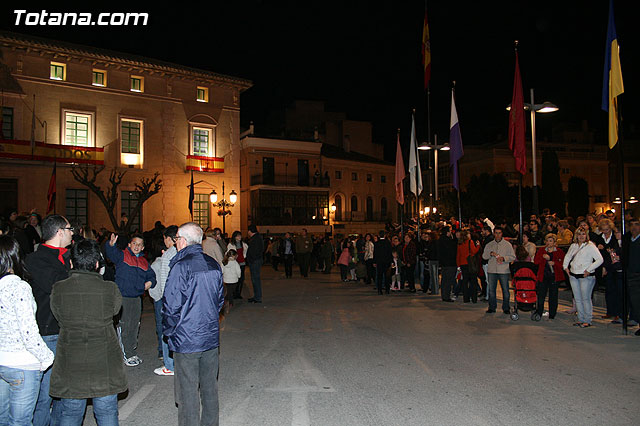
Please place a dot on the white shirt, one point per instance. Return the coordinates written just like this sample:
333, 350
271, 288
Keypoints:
231, 272
582, 257
21, 345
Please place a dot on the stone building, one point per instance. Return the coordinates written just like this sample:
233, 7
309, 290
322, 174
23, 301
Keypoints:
121, 111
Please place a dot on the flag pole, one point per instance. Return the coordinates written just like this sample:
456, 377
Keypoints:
625, 300
453, 89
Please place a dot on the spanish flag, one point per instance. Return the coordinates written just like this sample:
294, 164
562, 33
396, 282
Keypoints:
426, 50
612, 80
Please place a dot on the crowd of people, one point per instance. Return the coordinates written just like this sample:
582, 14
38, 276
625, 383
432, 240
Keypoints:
76, 294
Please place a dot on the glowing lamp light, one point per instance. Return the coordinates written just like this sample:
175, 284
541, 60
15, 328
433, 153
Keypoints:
424, 146
333, 207
313, 217
233, 197
213, 197
324, 218
613, 210
617, 201
427, 210
445, 148
130, 159
632, 200
434, 210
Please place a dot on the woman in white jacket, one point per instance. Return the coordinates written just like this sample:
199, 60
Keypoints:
580, 264
231, 274
23, 353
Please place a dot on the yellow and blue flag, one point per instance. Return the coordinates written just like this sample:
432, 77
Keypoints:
612, 80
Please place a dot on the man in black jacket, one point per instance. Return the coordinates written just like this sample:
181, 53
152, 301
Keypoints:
254, 261
46, 266
447, 250
382, 258
631, 262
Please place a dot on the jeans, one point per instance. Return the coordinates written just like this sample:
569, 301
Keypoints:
157, 310
196, 382
167, 356
504, 283
433, 274
344, 272
448, 279
130, 324
105, 409
46, 408
254, 267
551, 286
409, 274
18, 395
582, 288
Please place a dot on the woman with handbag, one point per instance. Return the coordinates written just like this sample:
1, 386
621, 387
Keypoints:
549, 258
580, 263
467, 262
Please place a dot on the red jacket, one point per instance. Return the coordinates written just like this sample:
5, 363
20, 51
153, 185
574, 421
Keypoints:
465, 250
557, 257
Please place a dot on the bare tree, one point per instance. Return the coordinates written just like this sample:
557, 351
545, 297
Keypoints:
145, 188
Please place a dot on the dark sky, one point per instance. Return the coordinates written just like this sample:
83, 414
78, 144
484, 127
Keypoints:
363, 57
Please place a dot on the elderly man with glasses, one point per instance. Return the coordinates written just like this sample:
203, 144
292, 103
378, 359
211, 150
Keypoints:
193, 298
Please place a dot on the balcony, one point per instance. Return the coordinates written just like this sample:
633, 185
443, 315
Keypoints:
361, 217
289, 180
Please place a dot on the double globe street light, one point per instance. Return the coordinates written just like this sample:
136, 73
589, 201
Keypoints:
223, 205
426, 146
544, 107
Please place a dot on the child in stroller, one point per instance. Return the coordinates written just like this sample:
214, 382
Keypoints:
524, 285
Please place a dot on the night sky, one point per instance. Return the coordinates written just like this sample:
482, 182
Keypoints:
363, 57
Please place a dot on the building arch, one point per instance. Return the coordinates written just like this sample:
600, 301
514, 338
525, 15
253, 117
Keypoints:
339, 201
354, 203
369, 208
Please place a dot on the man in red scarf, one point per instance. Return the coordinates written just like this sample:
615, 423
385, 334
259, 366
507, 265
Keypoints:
48, 265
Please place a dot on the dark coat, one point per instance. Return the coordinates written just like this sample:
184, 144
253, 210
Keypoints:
382, 256
255, 250
88, 360
409, 253
193, 297
45, 268
131, 271
447, 251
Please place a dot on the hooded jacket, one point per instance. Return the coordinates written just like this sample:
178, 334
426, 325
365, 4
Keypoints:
193, 297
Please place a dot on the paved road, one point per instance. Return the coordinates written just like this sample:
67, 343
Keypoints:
322, 352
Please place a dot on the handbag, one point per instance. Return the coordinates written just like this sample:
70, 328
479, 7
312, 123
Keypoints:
472, 261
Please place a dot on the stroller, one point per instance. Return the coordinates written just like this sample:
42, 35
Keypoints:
526, 297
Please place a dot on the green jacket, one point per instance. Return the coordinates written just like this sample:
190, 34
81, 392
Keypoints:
88, 362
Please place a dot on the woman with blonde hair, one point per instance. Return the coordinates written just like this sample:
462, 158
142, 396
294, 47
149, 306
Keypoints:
580, 264
565, 236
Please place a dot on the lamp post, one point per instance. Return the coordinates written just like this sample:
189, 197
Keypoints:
543, 108
223, 205
426, 146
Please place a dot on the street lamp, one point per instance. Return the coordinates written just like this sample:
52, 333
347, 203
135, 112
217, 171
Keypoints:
630, 200
223, 205
544, 107
426, 146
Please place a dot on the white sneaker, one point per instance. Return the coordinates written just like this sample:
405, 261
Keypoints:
162, 371
133, 361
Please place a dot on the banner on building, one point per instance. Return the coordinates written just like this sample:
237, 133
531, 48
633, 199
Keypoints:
51, 152
205, 164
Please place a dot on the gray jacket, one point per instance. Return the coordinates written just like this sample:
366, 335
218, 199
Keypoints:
503, 249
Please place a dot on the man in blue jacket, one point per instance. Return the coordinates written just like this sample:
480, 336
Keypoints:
133, 276
193, 297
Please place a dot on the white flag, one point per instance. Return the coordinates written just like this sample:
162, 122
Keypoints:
415, 175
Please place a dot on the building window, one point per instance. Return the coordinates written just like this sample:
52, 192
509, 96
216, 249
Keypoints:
201, 210
99, 78
338, 174
7, 122
202, 94
383, 179
58, 71
200, 141
78, 128
131, 136
129, 200
354, 203
354, 176
369, 177
303, 172
76, 206
137, 83
383, 208
369, 209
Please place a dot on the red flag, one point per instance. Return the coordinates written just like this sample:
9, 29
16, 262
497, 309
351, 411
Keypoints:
426, 50
516, 123
51, 193
399, 173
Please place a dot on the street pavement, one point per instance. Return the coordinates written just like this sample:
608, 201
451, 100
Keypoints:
322, 352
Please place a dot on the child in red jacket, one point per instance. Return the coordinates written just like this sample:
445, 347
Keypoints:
549, 260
